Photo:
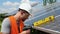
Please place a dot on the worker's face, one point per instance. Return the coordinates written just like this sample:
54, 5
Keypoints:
25, 16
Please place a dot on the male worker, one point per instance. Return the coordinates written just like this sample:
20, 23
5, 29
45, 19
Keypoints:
14, 24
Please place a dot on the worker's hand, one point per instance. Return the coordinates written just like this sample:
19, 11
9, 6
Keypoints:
25, 32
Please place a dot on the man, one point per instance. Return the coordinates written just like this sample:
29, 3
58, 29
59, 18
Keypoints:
14, 24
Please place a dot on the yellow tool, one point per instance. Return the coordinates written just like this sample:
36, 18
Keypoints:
46, 20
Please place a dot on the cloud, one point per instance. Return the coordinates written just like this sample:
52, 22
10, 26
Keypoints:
34, 3
9, 7
3, 10
8, 3
12, 6
8, 10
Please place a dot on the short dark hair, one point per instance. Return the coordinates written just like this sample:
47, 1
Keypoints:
23, 10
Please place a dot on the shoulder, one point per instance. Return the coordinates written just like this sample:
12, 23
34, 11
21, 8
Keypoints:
6, 21
5, 25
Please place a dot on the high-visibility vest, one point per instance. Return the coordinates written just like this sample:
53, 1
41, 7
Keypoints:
14, 26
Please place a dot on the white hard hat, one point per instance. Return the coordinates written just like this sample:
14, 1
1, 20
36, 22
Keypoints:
26, 6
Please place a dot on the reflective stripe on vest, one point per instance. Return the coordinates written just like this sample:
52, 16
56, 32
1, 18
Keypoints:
14, 26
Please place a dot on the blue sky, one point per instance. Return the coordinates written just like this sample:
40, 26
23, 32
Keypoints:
2, 1
10, 5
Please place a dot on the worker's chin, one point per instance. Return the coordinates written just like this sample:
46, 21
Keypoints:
24, 19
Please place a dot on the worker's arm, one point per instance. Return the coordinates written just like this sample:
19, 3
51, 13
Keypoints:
25, 32
3, 33
5, 28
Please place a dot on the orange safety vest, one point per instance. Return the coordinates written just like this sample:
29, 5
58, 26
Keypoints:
14, 26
